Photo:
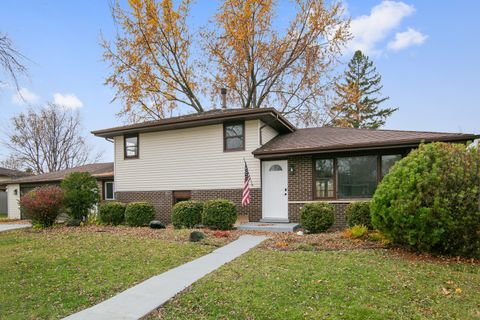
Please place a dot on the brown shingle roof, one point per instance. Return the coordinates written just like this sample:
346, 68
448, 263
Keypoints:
13, 173
268, 115
325, 139
97, 170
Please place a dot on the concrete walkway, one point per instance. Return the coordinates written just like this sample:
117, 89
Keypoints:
145, 297
13, 226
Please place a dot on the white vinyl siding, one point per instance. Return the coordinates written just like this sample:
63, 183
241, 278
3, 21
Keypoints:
268, 133
187, 159
13, 205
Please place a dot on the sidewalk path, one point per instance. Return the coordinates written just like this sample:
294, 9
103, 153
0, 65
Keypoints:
12, 226
145, 297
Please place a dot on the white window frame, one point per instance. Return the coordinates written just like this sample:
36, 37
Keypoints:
105, 191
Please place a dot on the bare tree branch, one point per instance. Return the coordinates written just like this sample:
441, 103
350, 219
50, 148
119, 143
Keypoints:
48, 139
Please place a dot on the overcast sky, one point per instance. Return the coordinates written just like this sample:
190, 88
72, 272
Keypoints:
426, 51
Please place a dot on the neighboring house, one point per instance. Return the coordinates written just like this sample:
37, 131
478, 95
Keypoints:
6, 175
201, 157
103, 172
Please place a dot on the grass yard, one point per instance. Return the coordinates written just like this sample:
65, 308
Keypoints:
352, 284
52, 273
3, 215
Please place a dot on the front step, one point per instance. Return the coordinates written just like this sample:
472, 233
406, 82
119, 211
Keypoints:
269, 227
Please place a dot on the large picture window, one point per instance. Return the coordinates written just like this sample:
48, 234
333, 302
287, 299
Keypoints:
357, 176
131, 146
350, 177
234, 136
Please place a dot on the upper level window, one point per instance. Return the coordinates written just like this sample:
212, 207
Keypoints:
131, 146
234, 136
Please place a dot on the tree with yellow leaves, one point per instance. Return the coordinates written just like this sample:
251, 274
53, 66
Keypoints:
154, 71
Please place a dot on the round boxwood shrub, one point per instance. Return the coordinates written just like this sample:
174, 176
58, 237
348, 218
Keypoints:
139, 214
429, 201
187, 214
111, 213
42, 205
358, 213
219, 214
317, 216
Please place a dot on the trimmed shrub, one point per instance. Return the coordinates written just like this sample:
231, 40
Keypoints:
42, 205
429, 201
156, 224
81, 194
219, 214
187, 214
111, 213
358, 213
317, 216
139, 214
196, 236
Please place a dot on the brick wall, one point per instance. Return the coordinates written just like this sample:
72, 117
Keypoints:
163, 200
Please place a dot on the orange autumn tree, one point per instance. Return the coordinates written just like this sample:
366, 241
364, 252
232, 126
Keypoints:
264, 66
154, 70
150, 59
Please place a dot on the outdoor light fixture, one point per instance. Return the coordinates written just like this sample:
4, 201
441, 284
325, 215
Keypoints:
291, 168
15, 192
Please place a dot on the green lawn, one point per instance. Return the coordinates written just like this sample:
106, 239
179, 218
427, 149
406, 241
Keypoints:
51, 274
3, 215
357, 284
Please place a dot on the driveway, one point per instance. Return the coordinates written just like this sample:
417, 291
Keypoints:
13, 226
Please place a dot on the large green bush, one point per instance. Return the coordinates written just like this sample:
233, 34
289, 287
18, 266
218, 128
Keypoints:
187, 214
219, 214
139, 214
81, 194
111, 213
358, 213
42, 204
317, 216
429, 200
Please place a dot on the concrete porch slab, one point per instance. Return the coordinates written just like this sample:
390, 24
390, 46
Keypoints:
270, 227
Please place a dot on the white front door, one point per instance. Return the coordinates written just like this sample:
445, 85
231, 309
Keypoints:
274, 190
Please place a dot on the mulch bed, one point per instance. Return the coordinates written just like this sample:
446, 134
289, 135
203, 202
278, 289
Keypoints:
329, 241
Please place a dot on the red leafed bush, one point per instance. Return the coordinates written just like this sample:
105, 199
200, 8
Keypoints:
42, 204
221, 234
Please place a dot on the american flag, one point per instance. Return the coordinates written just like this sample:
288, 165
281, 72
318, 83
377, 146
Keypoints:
246, 187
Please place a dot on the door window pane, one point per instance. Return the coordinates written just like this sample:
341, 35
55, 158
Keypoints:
357, 176
324, 178
388, 161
